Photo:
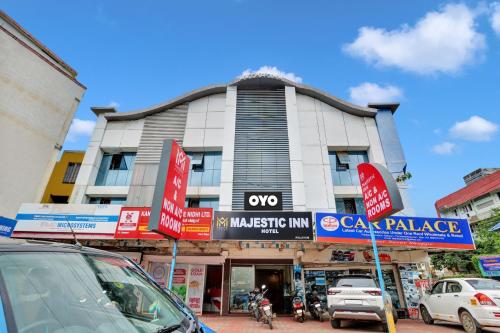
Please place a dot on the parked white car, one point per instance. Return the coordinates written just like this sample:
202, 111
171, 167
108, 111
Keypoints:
356, 297
473, 302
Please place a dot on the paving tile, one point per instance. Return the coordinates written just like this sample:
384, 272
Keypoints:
229, 324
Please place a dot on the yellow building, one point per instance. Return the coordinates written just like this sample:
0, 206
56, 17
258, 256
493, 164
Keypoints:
63, 177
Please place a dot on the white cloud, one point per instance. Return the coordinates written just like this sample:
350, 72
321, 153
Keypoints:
445, 148
113, 104
437, 131
474, 129
272, 70
495, 17
373, 93
79, 128
442, 41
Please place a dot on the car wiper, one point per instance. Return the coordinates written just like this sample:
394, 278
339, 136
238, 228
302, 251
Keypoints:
168, 329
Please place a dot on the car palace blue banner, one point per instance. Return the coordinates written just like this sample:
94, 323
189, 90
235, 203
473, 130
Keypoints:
400, 231
7, 226
490, 265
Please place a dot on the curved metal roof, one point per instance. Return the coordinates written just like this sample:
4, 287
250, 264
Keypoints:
255, 81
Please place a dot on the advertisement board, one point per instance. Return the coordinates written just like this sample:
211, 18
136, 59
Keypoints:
180, 280
196, 223
262, 226
6, 226
263, 201
95, 220
196, 287
170, 192
133, 224
490, 265
401, 231
381, 195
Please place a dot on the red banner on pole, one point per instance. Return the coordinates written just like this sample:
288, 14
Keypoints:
170, 193
380, 192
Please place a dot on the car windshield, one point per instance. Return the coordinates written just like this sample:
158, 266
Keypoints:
356, 282
83, 293
484, 284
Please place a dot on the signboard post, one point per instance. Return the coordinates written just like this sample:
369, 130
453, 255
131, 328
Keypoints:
381, 198
170, 195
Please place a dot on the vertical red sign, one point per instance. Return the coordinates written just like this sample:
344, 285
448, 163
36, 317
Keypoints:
170, 192
380, 192
174, 195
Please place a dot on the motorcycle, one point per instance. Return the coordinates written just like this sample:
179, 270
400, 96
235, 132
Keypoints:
265, 307
299, 311
316, 310
253, 306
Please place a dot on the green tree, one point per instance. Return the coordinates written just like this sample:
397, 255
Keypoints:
487, 242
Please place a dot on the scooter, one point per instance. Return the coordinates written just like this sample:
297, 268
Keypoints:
316, 310
265, 307
299, 311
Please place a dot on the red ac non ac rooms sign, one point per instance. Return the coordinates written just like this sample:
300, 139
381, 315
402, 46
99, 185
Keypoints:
170, 191
380, 192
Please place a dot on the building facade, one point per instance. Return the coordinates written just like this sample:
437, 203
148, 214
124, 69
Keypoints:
63, 177
39, 94
256, 134
475, 201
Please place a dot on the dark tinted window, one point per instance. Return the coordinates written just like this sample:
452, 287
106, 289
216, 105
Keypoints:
356, 282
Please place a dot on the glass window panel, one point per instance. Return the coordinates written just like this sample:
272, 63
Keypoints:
360, 207
111, 178
242, 282
345, 178
209, 161
217, 160
216, 178
121, 178
195, 178
207, 176
339, 203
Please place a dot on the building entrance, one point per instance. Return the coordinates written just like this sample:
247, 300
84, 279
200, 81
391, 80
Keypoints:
245, 277
278, 282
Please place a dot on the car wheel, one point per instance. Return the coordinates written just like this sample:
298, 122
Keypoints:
426, 316
469, 324
395, 316
336, 323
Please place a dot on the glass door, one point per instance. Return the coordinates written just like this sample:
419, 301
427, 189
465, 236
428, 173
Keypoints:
242, 282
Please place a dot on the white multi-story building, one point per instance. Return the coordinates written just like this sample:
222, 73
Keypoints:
259, 135
39, 94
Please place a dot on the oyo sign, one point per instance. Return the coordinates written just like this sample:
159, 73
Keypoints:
170, 191
380, 192
263, 201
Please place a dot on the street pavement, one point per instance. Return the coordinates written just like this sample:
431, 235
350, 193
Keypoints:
229, 324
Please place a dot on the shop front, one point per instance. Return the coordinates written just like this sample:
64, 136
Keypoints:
262, 253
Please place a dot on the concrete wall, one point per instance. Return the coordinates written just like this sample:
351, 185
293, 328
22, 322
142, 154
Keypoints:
37, 104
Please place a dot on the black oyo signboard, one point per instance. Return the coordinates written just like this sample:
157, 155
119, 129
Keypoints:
262, 226
263, 201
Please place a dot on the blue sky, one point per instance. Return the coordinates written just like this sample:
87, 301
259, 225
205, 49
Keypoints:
441, 60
